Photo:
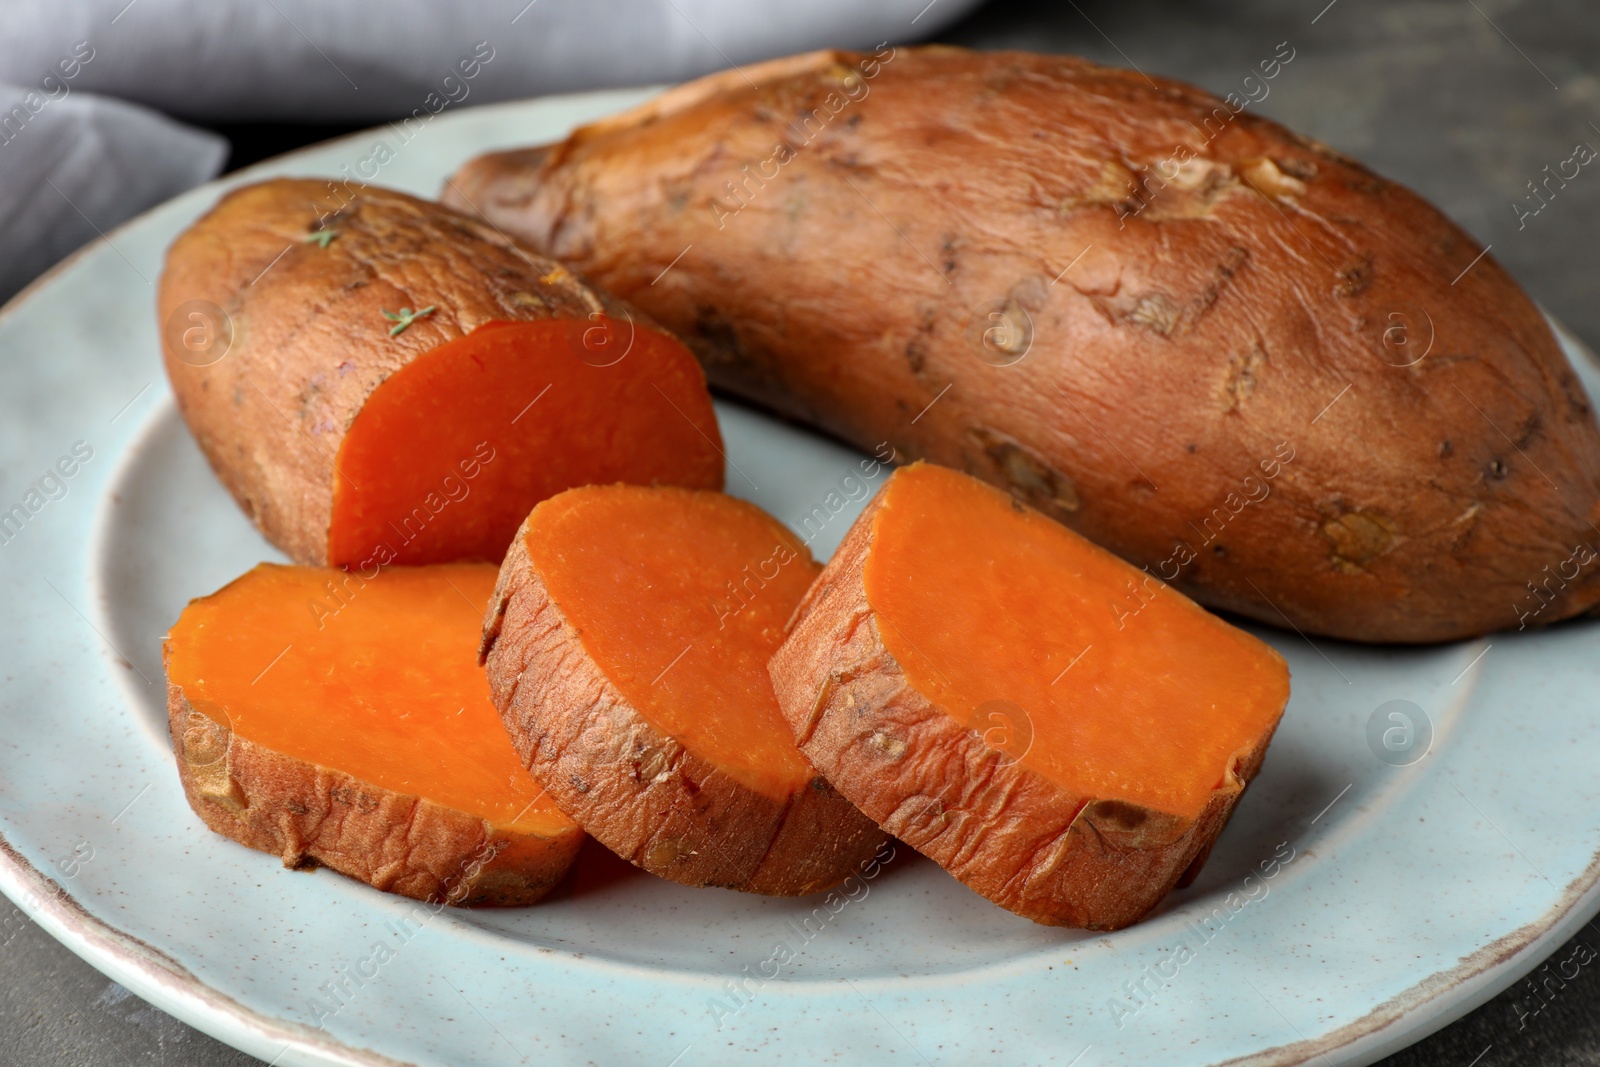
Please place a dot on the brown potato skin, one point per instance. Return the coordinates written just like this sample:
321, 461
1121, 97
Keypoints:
637, 791
1206, 324
310, 340
1003, 830
307, 814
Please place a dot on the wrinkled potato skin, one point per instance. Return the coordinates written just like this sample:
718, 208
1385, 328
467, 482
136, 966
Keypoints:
1008, 833
636, 790
311, 815
1187, 333
310, 341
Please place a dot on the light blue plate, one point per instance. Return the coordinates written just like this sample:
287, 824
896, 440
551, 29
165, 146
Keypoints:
1404, 890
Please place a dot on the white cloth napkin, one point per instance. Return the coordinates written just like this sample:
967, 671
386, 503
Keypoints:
375, 59
75, 165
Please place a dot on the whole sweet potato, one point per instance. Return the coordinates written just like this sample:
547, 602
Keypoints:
1225, 351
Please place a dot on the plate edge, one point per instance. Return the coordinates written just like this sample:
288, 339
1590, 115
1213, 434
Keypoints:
166, 982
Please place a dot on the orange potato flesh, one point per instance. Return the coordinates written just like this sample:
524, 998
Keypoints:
447, 456
385, 688
985, 602
681, 599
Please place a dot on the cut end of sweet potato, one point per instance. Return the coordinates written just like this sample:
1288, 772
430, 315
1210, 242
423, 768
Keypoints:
627, 651
335, 718
1064, 733
449, 453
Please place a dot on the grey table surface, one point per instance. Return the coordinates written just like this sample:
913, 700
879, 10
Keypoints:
1465, 101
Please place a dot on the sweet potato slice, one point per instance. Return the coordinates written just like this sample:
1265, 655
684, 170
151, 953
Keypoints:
378, 379
627, 646
345, 722
1059, 730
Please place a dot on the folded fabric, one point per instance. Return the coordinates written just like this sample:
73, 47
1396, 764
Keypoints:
375, 59
74, 165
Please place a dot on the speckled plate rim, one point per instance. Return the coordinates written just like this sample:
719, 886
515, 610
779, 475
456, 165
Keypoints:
163, 980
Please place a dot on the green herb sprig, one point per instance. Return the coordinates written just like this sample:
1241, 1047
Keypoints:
405, 317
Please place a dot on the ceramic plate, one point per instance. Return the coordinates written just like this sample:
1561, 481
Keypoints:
1424, 830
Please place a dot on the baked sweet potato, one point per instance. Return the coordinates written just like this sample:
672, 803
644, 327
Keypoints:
1225, 351
958, 673
627, 647
378, 379
334, 721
